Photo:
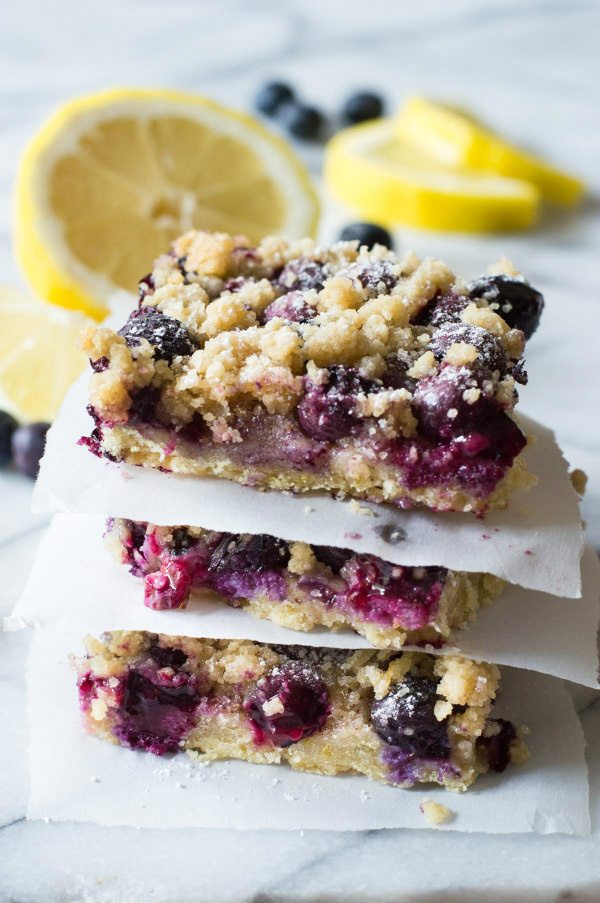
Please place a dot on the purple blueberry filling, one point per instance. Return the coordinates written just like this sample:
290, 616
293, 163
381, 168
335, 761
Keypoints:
327, 410
243, 567
406, 768
498, 746
287, 705
154, 709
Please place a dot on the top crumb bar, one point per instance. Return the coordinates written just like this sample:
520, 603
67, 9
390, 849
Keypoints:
292, 366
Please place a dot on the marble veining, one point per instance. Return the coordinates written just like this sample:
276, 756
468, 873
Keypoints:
531, 68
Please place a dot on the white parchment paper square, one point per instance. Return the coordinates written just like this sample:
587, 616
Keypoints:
77, 777
75, 580
537, 542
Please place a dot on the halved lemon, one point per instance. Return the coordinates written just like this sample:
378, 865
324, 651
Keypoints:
39, 358
456, 139
391, 183
114, 177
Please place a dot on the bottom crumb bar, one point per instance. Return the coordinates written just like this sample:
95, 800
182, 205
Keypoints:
398, 718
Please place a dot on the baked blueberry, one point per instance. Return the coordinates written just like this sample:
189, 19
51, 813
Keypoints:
442, 309
451, 401
302, 121
498, 745
332, 557
292, 307
489, 348
302, 275
368, 234
249, 553
8, 425
405, 719
377, 277
362, 106
517, 302
27, 446
167, 335
272, 96
327, 410
287, 705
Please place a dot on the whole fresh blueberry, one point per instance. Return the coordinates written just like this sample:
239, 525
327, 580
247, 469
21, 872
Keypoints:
489, 348
288, 704
302, 121
8, 425
27, 446
518, 303
362, 106
368, 234
441, 309
327, 410
302, 274
272, 96
405, 719
292, 307
244, 552
167, 335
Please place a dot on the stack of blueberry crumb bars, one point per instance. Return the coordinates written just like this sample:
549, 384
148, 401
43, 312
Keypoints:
296, 368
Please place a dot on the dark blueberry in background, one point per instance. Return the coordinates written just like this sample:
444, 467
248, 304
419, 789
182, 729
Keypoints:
167, 335
27, 445
405, 719
145, 287
490, 349
518, 303
8, 425
442, 309
368, 234
327, 411
360, 107
272, 96
332, 557
302, 121
292, 307
249, 553
302, 274
301, 704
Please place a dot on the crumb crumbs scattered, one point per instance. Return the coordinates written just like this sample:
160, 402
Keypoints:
289, 797
94, 780
364, 796
528, 552
275, 782
361, 509
308, 509
578, 481
485, 536
352, 535
435, 813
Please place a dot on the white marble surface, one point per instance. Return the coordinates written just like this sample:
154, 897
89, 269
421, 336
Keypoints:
531, 67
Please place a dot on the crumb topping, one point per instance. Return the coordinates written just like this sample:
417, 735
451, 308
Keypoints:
348, 306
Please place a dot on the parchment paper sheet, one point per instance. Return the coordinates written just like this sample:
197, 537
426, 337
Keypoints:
76, 580
76, 777
536, 543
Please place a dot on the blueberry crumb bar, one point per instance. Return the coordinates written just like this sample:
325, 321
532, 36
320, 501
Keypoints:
301, 586
399, 718
296, 367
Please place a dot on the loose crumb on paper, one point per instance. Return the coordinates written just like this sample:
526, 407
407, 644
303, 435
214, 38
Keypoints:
361, 509
436, 813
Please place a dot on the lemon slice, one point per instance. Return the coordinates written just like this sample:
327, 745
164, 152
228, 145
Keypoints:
39, 358
114, 177
388, 182
456, 139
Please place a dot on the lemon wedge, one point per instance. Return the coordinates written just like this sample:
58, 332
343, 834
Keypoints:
389, 182
114, 177
455, 139
39, 358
